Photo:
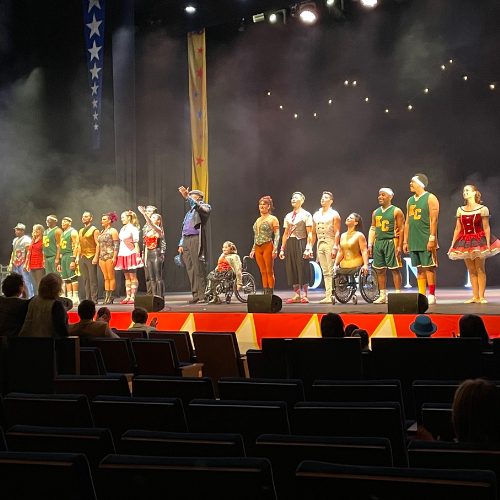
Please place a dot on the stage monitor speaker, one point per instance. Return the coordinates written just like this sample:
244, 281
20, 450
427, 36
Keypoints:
264, 304
152, 303
407, 303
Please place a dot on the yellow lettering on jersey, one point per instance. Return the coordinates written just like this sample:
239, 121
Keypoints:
46, 241
417, 214
378, 219
411, 210
385, 225
64, 244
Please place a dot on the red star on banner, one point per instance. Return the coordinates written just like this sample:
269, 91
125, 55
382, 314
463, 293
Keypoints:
200, 50
199, 72
199, 160
200, 136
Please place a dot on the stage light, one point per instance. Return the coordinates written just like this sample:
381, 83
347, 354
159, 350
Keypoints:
273, 18
315, 115
354, 83
268, 92
295, 115
257, 18
386, 110
346, 82
410, 107
330, 3
281, 107
451, 61
329, 101
308, 13
190, 9
443, 67
465, 78
426, 90
369, 3
492, 86
367, 99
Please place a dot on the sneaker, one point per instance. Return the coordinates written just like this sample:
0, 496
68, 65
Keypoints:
431, 299
294, 300
380, 300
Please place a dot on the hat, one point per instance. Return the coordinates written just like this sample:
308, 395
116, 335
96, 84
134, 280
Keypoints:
20, 226
178, 260
423, 326
198, 192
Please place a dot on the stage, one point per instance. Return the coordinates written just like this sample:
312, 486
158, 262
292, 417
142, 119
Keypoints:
303, 320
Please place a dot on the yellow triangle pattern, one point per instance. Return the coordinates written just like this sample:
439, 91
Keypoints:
386, 328
312, 329
247, 335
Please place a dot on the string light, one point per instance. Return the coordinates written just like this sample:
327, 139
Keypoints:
443, 67
386, 110
410, 107
315, 114
492, 86
281, 107
346, 82
354, 83
295, 115
451, 61
426, 90
268, 92
367, 99
465, 78
329, 101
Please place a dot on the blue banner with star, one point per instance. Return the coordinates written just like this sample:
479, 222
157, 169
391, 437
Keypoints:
93, 20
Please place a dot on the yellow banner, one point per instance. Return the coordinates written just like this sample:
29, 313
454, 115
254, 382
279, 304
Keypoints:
198, 106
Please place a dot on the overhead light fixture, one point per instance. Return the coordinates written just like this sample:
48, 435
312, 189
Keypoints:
369, 3
308, 13
274, 16
257, 18
190, 9
330, 3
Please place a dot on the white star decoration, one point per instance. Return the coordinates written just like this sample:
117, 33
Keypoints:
94, 3
94, 51
95, 115
94, 88
94, 103
95, 71
94, 27
96, 127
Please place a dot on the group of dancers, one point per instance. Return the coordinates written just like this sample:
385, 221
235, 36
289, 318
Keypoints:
392, 233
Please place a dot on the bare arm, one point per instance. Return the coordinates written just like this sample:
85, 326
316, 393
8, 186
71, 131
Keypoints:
371, 234
58, 233
116, 244
433, 205
313, 240
400, 224
364, 251
158, 229
97, 247
308, 253
283, 242
405, 237
336, 237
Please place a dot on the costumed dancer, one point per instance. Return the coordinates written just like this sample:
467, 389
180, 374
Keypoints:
228, 268
420, 236
473, 241
51, 241
153, 262
193, 242
326, 229
87, 256
129, 254
266, 230
385, 244
18, 257
296, 246
353, 251
150, 210
68, 251
35, 264
108, 243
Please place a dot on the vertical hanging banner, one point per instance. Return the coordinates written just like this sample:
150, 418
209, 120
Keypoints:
198, 106
93, 20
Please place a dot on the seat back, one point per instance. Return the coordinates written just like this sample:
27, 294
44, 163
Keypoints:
118, 354
432, 391
132, 334
92, 385
183, 344
436, 418
175, 444
91, 361
276, 357
156, 357
255, 363
353, 420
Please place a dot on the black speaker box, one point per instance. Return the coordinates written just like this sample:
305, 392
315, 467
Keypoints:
264, 304
152, 303
407, 303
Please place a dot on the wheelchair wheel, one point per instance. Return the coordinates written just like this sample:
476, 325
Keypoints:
368, 286
247, 288
343, 289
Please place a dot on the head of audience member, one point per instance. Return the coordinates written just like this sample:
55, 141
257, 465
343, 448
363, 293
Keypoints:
349, 329
332, 326
50, 286
423, 326
363, 337
476, 412
471, 325
140, 315
104, 314
13, 285
86, 309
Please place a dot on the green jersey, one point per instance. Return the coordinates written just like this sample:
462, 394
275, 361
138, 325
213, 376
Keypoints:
49, 242
419, 225
385, 224
66, 247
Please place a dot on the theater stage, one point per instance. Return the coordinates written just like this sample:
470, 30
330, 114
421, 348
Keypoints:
302, 320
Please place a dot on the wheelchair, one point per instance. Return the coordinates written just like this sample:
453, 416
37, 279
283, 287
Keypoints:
346, 282
227, 285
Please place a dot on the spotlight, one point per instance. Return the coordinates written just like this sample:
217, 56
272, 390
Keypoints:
274, 16
308, 13
257, 18
465, 78
330, 3
190, 9
492, 86
369, 3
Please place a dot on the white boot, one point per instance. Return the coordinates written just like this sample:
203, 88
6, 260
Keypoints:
382, 299
328, 291
74, 298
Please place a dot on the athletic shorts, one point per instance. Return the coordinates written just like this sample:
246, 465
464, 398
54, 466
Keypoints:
384, 254
66, 272
423, 258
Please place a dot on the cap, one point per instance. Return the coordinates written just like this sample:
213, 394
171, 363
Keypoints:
20, 226
199, 193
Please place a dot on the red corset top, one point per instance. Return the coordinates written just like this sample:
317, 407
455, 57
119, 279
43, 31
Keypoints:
151, 242
472, 226
223, 264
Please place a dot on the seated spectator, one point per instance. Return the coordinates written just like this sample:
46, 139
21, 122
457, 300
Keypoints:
423, 326
349, 329
476, 412
104, 314
13, 305
140, 319
46, 314
87, 327
364, 338
332, 326
471, 325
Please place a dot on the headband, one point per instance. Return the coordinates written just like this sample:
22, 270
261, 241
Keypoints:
51, 217
418, 181
67, 218
389, 191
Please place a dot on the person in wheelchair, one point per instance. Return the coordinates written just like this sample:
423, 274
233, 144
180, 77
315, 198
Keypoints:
353, 251
228, 269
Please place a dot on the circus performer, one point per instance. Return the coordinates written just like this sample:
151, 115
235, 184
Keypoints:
473, 241
51, 242
107, 253
353, 251
86, 257
68, 249
34, 259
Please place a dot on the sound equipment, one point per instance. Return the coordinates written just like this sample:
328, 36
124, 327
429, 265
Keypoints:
407, 303
152, 303
264, 304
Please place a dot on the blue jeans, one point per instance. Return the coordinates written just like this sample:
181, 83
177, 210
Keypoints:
26, 277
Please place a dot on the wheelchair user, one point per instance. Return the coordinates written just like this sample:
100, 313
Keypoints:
228, 267
353, 251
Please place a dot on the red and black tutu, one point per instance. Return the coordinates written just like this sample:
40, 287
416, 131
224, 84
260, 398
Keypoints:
474, 246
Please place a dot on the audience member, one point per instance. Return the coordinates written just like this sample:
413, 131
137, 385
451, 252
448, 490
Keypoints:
104, 314
87, 327
332, 326
364, 338
349, 329
471, 325
423, 326
46, 314
13, 305
476, 412
140, 319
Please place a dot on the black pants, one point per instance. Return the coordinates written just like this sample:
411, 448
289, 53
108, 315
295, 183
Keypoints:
89, 275
297, 268
154, 266
194, 266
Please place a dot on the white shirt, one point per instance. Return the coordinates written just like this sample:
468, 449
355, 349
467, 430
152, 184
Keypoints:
324, 224
297, 228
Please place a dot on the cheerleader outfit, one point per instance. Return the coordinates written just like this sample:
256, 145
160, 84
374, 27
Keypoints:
128, 258
471, 242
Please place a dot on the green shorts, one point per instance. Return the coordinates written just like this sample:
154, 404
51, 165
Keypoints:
384, 254
423, 258
50, 264
66, 272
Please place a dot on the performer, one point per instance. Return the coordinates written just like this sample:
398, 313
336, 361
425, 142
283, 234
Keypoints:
228, 267
150, 210
153, 263
473, 241
129, 254
266, 230
107, 250
385, 244
87, 256
193, 244
353, 251
35, 264
296, 246
420, 235
68, 252
20, 246
326, 229
51, 241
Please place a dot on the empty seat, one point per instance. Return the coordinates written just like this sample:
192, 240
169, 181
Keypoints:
255, 363
48, 410
177, 444
183, 344
286, 453
353, 420
3, 443
433, 391
118, 354
92, 385
91, 361
130, 477
248, 418
436, 418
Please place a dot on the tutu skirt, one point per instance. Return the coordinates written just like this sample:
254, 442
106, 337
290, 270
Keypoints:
126, 262
474, 248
